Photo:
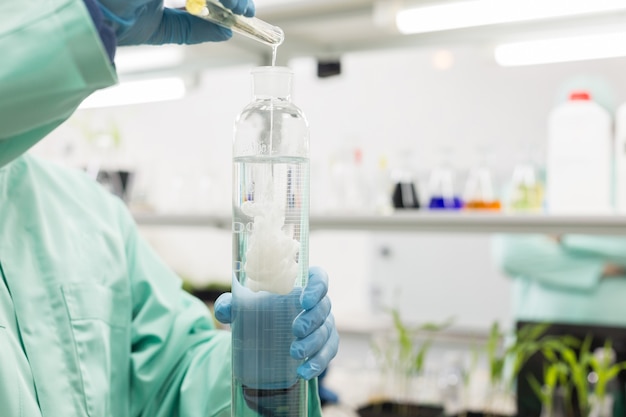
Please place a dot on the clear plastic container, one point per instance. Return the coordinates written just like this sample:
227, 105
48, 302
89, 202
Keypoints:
252, 27
451, 386
579, 157
270, 247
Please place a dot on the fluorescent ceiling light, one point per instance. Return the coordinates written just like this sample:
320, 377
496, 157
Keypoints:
472, 13
135, 92
578, 48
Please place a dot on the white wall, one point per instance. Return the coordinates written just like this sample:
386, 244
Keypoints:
386, 103
430, 278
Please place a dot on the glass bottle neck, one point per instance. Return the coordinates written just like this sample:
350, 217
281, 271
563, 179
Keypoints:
272, 83
265, 97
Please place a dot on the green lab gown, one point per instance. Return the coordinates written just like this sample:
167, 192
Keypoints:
562, 282
92, 322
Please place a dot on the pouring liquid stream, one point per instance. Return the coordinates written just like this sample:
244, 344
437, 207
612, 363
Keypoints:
274, 51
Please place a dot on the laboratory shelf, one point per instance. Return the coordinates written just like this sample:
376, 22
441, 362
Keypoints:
424, 222
184, 220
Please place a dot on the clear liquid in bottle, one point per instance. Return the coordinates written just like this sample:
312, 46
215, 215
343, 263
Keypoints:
270, 249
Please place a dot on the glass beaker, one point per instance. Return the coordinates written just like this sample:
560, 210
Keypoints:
527, 189
479, 193
270, 247
404, 195
441, 187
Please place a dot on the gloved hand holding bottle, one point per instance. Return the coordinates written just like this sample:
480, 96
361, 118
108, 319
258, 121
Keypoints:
317, 340
149, 22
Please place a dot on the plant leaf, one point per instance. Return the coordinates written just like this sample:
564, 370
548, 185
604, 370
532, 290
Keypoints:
538, 389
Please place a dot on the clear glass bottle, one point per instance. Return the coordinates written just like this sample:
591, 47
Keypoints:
270, 246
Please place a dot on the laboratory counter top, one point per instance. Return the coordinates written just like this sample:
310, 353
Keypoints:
423, 221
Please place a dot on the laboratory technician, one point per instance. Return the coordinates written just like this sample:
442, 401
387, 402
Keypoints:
92, 322
574, 279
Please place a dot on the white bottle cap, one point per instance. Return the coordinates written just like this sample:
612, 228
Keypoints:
272, 82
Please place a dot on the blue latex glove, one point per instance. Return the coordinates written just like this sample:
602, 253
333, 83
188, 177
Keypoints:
148, 22
316, 337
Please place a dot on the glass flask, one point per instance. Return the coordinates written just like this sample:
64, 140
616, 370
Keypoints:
526, 189
404, 194
479, 193
270, 247
441, 187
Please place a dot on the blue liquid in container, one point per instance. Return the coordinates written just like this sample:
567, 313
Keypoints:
441, 203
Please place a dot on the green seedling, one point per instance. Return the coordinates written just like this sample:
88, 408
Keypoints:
496, 356
546, 392
531, 339
605, 370
403, 355
568, 371
578, 366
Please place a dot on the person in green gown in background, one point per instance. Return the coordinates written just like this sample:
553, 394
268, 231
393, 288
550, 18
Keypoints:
575, 280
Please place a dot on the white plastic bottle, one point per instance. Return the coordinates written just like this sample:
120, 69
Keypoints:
579, 158
620, 159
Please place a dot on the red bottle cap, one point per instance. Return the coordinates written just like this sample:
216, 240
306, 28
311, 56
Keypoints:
358, 156
580, 96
